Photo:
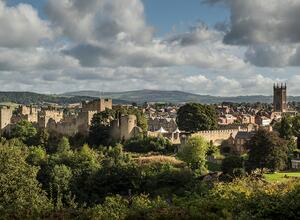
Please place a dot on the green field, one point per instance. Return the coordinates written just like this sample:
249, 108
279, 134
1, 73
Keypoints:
281, 177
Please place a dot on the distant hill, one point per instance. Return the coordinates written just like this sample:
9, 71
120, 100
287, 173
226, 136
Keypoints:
141, 96
27, 98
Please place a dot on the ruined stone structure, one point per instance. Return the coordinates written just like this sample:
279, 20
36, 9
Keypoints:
80, 123
280, 98
28, 113
98, 105
5, 119
125, 127
46, 114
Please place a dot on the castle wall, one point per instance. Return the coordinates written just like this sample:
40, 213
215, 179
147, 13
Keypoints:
29, 113
127, 125
5, 118
97, 105
45, 115
216, 137
65, 128
125, 128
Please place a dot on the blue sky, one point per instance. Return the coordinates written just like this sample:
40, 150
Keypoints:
121, 45
164, 15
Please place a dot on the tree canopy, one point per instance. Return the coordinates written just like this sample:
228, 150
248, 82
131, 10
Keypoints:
194, 153
195, 117
267, 150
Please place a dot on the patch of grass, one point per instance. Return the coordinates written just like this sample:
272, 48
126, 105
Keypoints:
281, 177
160, 159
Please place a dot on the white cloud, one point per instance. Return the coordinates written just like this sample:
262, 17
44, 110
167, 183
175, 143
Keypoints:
21, 26
107, 45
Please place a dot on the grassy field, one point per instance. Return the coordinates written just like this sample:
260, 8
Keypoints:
281, 177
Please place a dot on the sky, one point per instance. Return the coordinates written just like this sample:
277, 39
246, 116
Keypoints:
209, 47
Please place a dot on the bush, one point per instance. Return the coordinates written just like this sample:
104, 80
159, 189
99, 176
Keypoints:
149, 144
231, 164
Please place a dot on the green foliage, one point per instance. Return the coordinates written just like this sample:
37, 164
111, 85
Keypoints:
194, 153
195, 117
142, 121
37, 156
231, 164
63, 145
110, 183
99, 129
60, 178
20, 192
42, 138
25, 131
267, 150
286, 129
148, 144
114, 208
296, 129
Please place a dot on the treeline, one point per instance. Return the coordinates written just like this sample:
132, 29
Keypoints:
47, 176
30, 98
109, 183
27, 98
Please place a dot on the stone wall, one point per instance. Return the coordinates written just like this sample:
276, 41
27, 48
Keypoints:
125, 128
5, 118
98, 105
45, 115
216, 137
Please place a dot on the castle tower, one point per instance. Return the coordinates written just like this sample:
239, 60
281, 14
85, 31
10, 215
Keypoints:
280, 98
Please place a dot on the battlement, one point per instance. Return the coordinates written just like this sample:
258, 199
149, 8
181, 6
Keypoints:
218, 131
98, 105
280, 86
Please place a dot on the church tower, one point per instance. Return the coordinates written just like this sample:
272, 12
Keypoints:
280, 98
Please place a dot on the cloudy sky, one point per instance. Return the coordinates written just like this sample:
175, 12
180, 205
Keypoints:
216, 47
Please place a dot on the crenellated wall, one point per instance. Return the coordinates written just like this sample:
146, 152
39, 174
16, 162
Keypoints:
216, 137
98, 105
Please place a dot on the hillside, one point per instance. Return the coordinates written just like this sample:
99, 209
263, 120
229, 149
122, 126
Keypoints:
141, 96
27, 98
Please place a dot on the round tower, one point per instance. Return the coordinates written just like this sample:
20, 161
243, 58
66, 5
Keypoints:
127, 125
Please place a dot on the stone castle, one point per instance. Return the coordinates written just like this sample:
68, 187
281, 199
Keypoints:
55, 120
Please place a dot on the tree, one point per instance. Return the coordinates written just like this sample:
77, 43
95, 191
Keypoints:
42, 138
142, 121
37, 156
231, 163
63, 145
60, 178
194, 153
148, 144
267, 150
20, 192
25, 131
195, 117
99, 130
286, 131
296, 129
